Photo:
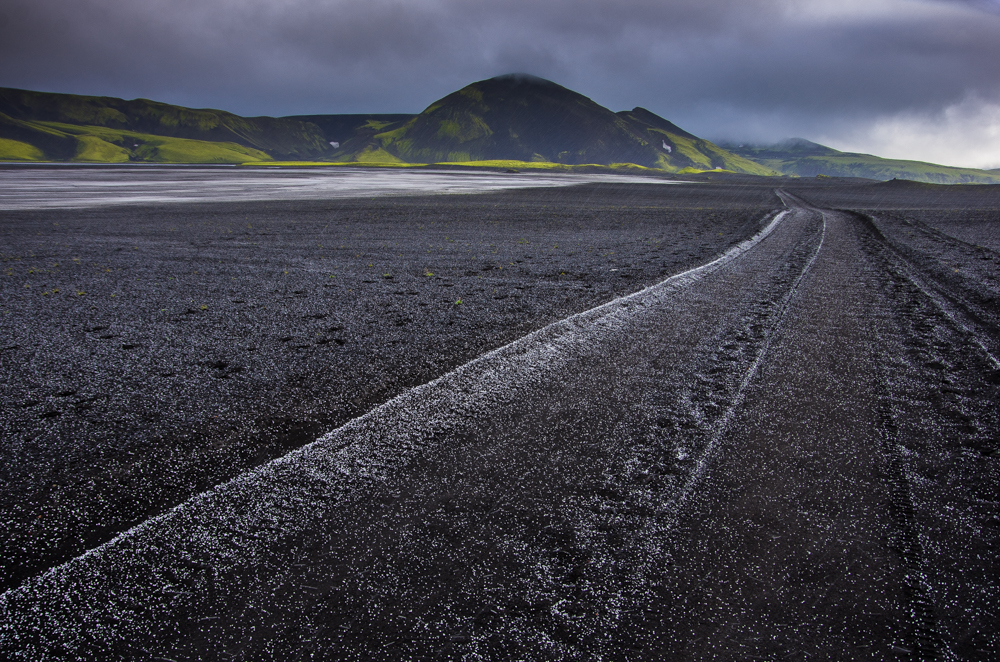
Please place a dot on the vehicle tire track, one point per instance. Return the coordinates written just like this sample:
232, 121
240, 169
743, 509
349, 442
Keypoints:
924, 641
516, 506
797, 545
943, 421
969, 301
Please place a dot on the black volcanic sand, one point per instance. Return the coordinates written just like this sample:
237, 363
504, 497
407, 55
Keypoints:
151, 353
790, 453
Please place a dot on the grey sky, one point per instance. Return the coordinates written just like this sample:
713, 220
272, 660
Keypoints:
904, 78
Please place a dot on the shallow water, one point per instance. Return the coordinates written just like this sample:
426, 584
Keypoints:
74, 187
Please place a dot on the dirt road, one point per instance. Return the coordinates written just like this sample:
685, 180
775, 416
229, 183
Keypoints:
784, 453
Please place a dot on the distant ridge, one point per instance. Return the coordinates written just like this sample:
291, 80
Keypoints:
803, 158
69, 127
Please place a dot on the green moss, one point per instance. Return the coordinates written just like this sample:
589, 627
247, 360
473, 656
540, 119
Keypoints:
14, 150
106, 116
80, 109
323, 164
404, 146
74, 129
42, 126
376, 155
633, 167
103, 145
289, 138
699, 171
663, 162
176, 150
389, 137
170, 121
511, 164
91, 149
449, 129
471, 127
472, 93
686, 148
289, 163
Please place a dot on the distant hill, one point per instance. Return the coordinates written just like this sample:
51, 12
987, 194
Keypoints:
803, 158
69, 127
340, 128
503, 121
524, 118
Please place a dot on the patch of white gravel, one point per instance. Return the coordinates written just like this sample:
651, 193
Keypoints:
64, 187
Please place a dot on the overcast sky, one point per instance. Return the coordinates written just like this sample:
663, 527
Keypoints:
913, 79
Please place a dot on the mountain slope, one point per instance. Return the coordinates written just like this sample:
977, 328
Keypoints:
340, 128
515, 118
524, 118
687, 151
40, 120
808, 159
31, 142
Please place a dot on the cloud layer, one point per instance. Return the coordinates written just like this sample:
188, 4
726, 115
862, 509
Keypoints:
867, 75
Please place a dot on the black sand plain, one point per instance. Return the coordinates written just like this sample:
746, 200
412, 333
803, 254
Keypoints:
790, 454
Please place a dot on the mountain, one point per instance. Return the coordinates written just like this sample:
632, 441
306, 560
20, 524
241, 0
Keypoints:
523, 118
808, 159
507, 120
69, 127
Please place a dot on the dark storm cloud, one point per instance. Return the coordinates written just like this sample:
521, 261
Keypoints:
766, 66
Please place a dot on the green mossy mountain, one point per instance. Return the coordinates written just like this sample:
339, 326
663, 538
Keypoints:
66, 127
504, 120
803, 158
524, 118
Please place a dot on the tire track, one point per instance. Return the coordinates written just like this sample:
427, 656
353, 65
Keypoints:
791, 546
926, 642
528, 492
971, 311
941, 424
790, 201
